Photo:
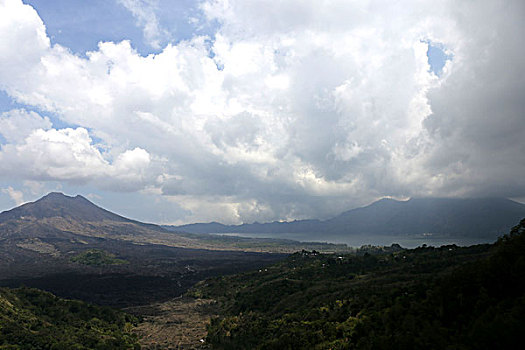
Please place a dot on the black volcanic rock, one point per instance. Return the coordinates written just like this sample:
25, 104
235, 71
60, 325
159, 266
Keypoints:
56, 204
474, 217
40, 243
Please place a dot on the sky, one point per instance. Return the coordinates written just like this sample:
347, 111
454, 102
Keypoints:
239, 111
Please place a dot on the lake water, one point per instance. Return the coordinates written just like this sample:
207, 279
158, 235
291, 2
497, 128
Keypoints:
407, 241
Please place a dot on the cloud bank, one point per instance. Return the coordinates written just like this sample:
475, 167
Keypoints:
291, 110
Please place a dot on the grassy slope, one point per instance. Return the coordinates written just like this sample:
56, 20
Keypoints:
97, 257
33, 319
431, 298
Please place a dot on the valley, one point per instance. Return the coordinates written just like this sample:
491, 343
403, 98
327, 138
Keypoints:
144, 273
177, 290
70, 247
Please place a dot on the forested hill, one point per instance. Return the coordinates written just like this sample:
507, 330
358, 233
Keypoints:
426, 298
33, 319
475, 217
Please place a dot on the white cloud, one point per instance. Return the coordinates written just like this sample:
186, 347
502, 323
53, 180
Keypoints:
55, 154
69, 155
18, 22
16, 196
292, 110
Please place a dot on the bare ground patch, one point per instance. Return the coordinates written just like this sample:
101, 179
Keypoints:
176, 324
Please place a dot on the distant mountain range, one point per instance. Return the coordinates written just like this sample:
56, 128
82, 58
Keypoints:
61, 216
477, 217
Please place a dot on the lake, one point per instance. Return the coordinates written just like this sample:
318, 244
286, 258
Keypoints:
406, 241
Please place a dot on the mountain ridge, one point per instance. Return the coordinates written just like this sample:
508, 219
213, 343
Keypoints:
480, 217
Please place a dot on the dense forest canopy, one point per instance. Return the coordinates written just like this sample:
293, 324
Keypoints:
33, 319
426, 298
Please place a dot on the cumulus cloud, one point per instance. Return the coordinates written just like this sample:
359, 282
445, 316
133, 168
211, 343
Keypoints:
291, 110
70, 155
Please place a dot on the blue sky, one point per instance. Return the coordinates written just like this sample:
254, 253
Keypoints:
81, 25
437, 57
241, 111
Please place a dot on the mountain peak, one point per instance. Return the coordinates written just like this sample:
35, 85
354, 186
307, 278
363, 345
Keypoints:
61, 197
55, 196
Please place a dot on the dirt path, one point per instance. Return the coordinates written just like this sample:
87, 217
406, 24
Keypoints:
176, 324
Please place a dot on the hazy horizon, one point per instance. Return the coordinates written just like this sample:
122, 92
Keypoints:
348, 239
